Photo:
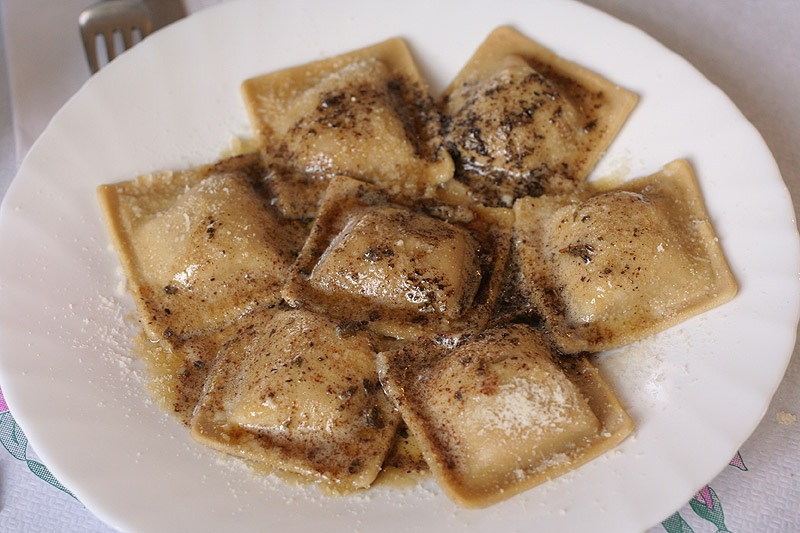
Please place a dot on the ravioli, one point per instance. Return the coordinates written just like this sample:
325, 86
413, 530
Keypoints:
360, 296
199, 248
401, 270
178, 370
295, 391
366, 114
404, 460
624, 264
521, 121
498, 413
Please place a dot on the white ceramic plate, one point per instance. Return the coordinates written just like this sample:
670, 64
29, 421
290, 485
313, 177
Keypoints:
696, 391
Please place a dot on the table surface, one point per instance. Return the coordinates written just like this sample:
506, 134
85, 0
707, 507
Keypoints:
751, 50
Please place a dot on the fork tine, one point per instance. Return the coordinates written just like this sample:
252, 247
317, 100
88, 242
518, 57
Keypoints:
104, 19
145, 27
108, 36
127, 36
91, 51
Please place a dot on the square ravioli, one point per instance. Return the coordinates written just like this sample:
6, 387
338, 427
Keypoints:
200, 247
522, 121
297, 393
623, 264
365, 114
498, 413
402, 270
178, 369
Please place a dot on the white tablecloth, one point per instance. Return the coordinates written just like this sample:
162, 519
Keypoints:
750, 48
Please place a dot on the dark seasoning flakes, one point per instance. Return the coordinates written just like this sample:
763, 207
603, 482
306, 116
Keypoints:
389, 321
514, 168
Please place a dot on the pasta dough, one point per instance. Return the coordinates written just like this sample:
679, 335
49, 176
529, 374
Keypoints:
621, 265
366, 114
294, 391
497, 413
402, 270
199, 248
349, 300
521, 121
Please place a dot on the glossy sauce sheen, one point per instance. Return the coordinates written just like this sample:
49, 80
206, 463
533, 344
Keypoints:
497, 413
390, 285
366, 114
520, 121
294, 390
611, 268
403, 270
401, 259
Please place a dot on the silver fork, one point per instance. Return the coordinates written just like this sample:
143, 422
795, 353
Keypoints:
107, 18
